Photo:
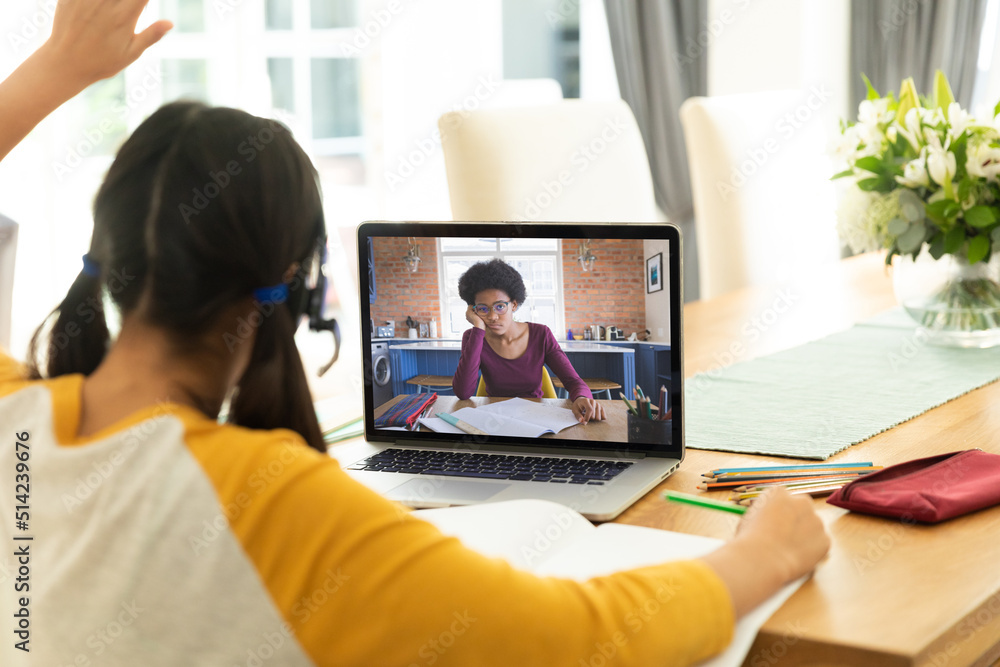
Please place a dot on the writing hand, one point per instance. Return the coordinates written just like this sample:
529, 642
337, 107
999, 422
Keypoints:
473, 318
586, 409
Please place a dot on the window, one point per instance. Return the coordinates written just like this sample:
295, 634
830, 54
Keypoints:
539, 262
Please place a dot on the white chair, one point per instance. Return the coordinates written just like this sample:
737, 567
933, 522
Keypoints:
569, 161
8, 250
763, 201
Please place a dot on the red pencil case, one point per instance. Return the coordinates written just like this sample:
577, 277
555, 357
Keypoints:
929, 490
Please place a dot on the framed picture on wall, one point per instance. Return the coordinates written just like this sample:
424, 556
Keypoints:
654, 273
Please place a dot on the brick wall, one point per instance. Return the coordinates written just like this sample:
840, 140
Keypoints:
613, 293
400, 293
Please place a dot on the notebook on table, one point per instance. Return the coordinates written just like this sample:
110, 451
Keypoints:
599, 283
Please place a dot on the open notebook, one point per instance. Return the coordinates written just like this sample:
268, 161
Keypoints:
550, 539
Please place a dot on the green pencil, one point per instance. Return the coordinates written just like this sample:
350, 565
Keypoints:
704, 502
630, 408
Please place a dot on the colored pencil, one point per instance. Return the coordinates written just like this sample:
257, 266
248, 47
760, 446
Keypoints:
708, 486
458, 423
785, 474
718, 471
703, 502
630, 408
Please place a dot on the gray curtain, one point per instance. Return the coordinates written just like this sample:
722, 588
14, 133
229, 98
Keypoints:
894, 39
660, 64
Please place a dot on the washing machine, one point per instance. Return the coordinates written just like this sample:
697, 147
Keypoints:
381, 373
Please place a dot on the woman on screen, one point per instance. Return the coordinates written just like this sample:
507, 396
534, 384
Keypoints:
164, 537
510, 354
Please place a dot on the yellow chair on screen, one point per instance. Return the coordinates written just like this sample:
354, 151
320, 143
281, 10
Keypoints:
548, 389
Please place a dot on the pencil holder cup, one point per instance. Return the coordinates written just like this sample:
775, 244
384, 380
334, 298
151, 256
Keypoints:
649, 431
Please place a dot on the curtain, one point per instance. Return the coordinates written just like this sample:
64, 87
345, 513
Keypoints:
895, 39
660, 64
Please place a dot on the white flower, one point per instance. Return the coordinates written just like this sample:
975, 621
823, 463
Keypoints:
910, 128
874, 112
983, 161
915, 172
959, 120
941, 164
891, 132
852, 220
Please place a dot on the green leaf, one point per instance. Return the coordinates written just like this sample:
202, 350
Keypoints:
869, 184
979, 248
898, 227
981, 216
842, 174
911, 240
996, 109
870, 163
872, 93
943, 211
964, 187
953, 239
942, 92
936, 248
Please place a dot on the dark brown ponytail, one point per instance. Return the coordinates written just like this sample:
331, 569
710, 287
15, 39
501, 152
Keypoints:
201, 207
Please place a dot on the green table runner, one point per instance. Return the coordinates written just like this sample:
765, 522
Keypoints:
820, 398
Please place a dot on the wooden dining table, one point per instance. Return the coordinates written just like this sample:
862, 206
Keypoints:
889, 592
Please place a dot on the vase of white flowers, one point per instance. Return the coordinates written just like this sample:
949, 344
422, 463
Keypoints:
924, 188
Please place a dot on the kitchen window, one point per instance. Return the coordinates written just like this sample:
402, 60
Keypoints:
539, 261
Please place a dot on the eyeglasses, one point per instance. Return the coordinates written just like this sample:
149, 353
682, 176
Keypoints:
483, 310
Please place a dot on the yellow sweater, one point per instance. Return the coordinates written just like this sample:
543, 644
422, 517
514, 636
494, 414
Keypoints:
169, 539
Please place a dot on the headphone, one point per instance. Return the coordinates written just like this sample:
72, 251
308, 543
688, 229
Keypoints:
307, 296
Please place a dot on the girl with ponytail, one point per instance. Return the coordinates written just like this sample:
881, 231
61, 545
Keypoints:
161, 537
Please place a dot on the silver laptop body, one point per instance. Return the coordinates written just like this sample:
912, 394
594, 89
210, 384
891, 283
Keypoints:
648, 463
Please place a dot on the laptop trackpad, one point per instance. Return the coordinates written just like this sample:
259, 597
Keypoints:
423, 490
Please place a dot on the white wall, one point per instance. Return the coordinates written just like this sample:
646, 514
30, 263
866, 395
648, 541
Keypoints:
757, 45
658, 303
435, 56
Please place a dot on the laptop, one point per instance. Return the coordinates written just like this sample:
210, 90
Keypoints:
594, 286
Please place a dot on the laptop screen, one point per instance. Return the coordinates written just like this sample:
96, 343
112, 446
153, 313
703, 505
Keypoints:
507, 334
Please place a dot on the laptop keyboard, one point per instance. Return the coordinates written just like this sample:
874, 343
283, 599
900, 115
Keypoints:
493, 466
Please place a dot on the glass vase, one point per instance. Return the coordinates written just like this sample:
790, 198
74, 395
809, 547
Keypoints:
954, 302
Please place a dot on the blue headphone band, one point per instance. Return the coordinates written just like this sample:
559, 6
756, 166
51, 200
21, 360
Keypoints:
275, 294
90, 267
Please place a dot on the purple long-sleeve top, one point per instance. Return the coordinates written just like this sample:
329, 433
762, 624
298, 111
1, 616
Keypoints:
514, 377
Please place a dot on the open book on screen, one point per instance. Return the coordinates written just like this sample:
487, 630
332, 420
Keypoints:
515, 417
550, 539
